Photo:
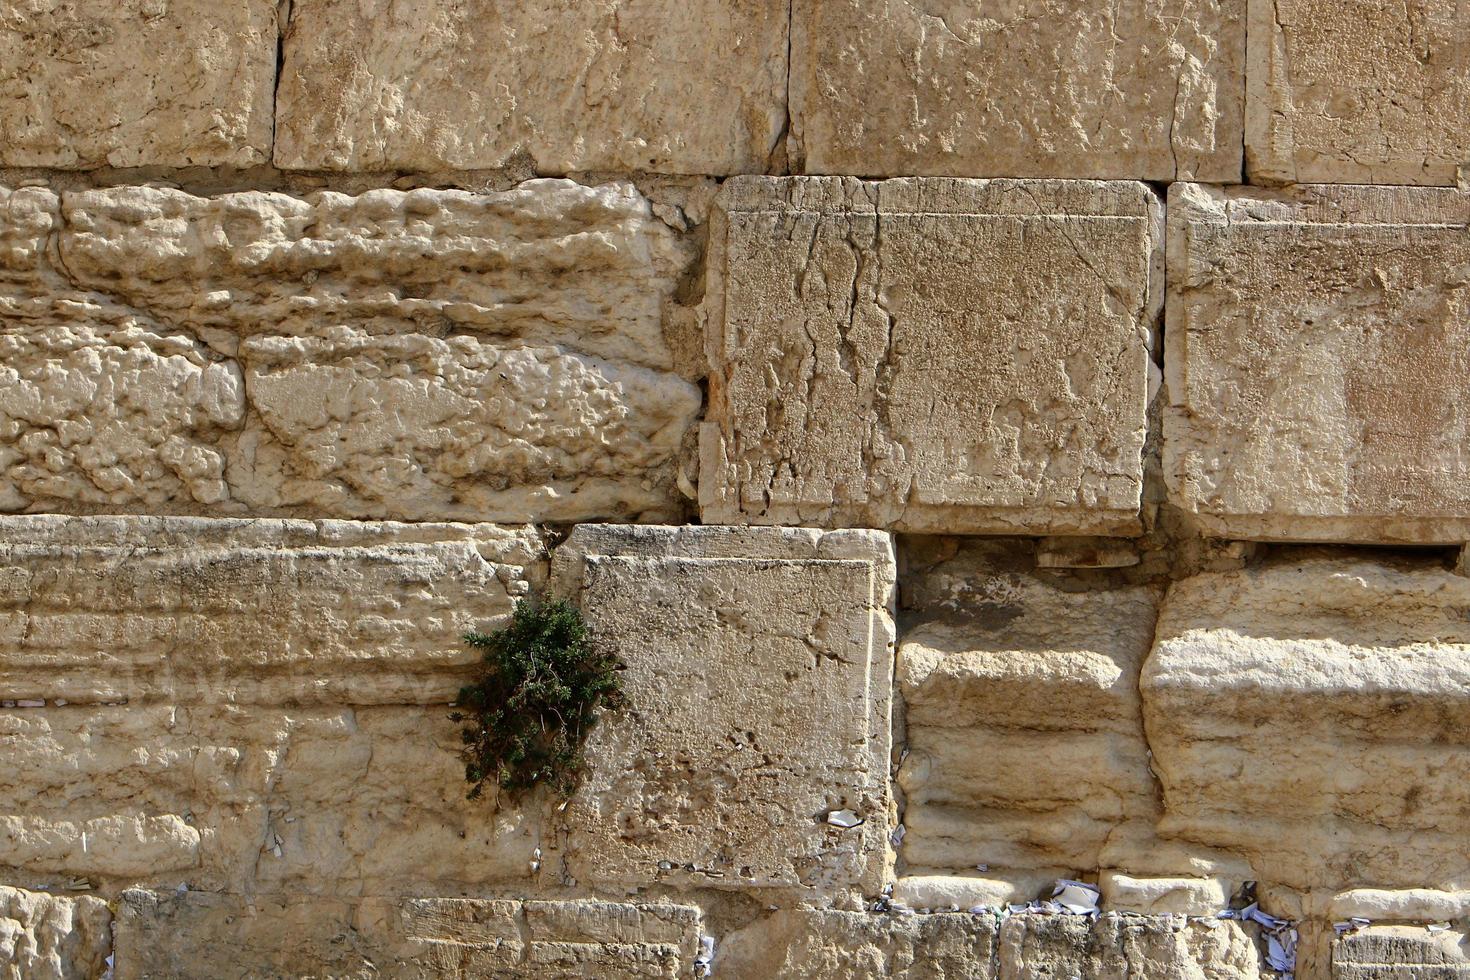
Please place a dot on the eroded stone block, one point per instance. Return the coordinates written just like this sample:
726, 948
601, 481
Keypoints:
1117, 947
1132, 90
51, 937
1400, 953
929, 355
571, 85
1319, 339
135, 83
759, 671
1358, 93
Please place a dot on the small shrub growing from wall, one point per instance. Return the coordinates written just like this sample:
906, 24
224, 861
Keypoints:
544, 681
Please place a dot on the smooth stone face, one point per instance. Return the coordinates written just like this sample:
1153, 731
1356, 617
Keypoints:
758, 681
1400, 953
1359, 92
1164, 896
136, 83
1313, 716
929, 354
1318, 343
51, 937
421, 355
669, 86
1143, 90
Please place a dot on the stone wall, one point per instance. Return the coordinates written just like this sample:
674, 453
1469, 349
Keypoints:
1006, 443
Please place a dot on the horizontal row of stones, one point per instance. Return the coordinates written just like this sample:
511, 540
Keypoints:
1143, 90
920, 354
1300, 723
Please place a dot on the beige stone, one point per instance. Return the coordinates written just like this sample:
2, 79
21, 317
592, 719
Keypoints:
929, 355
1403, 905
1358, 93
192, 610
1313, 716
135, 83
51, 937
758, 675
1318, 340
665, 86
1074, 89
965, 893
797, 944
1164, 896
423, 355
1116, 947
1400, 953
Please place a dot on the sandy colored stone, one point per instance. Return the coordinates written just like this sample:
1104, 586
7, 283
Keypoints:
1400, 953
758, 683
169, 610
136, 83
1404, 904
668, 86
1117, 947
1150, 91
796, 944
1318, 342
966, 893
1164, 896
51, 937
929, 355
1358, 93
1313, 715
422, 355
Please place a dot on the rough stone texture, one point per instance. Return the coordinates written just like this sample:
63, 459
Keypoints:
1314, 716
1116, 947
422, 355
665, 85
759, 664
196, 934
1146, 90
1318, 340
135, 83
170, 610
1164, 896
1358, 93
50, 937
1400, 953
1403, 905
929, 355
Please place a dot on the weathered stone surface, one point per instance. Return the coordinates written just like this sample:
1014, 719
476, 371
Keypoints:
133, 83
197, 934
1319, 338
1400, 904
666, 86
1164, 896
1314, 716
425, 354
1400, 953
1358, 93
192, 610
1132, 90
1116, 947
862, 946
759, 668
929, 355
50, 937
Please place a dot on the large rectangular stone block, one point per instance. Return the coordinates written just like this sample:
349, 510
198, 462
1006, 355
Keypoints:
1362, 92
424, 355
758, 681
930, 355
1144, 89
621, 85
1400, 953
136, 83
51, 937
1318, 343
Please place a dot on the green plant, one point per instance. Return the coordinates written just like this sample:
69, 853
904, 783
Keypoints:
529, 714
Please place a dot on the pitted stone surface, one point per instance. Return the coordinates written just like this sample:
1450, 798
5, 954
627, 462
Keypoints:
670, 86
136, 83
51, 937
759, 668
1150, 91
1118, 947
421, 355
1319, 338
930, 355
1358, 93
1400, 953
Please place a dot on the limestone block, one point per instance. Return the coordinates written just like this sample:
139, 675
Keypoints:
795, 943
1117, 947
1313, 715
194, 934
665, 86
1025, 731
135, 83
1403, 905
929, 355
1358, 93
758, 683
965, 893
1164, 896
425, 354
50, 937
1318, 342
1150, 91
193, 610
1400, 953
